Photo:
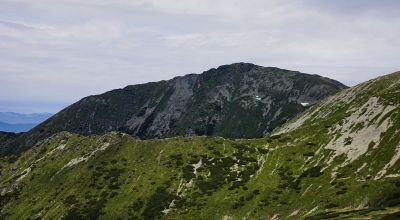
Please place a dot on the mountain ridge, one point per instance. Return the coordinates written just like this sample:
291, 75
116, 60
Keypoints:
219, 102
314, 167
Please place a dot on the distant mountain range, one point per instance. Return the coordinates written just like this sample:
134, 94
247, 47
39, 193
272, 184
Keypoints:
17, 122
16, 127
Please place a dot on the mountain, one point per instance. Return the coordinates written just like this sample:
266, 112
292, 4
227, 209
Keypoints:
6, 136
240, 100
19, 118
17, 122
337, 160
15, 127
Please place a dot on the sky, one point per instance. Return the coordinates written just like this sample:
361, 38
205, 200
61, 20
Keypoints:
55, 52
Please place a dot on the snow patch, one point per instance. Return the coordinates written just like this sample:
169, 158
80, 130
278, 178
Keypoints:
304, 104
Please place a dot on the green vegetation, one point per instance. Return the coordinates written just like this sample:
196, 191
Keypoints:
323, 168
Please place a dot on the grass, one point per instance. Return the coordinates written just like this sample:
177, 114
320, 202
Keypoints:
289, 175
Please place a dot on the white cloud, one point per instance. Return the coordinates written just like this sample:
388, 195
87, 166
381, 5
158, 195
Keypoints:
52, 50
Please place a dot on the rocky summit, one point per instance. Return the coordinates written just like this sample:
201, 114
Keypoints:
240, 100
337, 160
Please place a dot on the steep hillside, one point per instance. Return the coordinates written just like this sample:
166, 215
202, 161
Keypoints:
338, 160
358, 125
6, 136
235, 101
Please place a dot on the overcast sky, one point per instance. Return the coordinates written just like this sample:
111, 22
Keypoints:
54, 52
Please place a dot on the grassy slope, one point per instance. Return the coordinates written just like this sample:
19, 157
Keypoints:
283, 176
126, 180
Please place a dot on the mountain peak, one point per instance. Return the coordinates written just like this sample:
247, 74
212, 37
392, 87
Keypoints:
239, 100
239, 65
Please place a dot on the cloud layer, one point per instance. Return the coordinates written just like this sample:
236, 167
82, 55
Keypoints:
58, 51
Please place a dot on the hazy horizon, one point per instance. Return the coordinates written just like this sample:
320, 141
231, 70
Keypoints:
54, 53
